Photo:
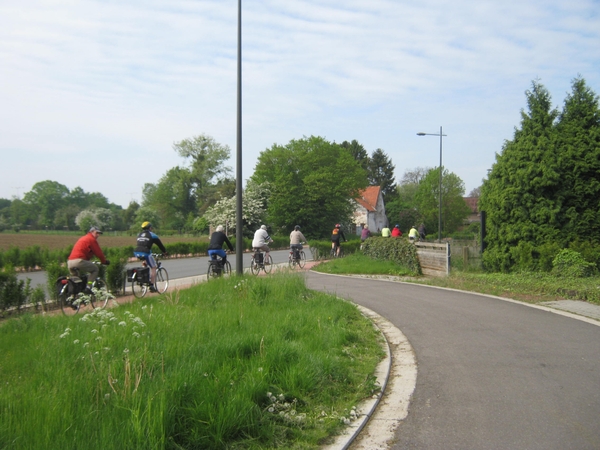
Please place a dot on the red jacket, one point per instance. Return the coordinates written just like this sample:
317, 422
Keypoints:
396, 232
86, 247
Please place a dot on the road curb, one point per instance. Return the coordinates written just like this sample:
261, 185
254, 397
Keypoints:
380, 416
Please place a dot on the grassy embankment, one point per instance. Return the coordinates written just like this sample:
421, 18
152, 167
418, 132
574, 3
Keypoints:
248, 363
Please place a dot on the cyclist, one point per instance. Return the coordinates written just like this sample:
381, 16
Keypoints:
396, 231
422, 231
385, 232
261, 241
217, 239
365, 233
145, 240
413, 234
296, 240
336, 235
83, 250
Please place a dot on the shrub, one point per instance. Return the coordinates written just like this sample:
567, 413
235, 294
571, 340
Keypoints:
569, 263
115, 274
13, 292
399, 250
54, 269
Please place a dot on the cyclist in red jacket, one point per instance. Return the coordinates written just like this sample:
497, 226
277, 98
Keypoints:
83, 250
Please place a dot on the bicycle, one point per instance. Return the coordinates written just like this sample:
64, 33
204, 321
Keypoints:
217, 267
140, 278
73, 291
258, 262
297, 257
336, 251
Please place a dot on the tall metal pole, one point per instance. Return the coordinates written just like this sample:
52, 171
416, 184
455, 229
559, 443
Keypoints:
440, 212
239, 235
441, 134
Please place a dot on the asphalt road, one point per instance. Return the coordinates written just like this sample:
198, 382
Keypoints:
491, 374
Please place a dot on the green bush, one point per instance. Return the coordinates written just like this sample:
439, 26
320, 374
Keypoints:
547, 252
399, 250
114, 275
569, 263
13, 292
54, 269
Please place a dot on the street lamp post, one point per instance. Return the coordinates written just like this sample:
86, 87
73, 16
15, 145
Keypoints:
440, 210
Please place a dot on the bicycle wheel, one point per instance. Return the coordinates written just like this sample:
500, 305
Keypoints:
66, 303
268, 264
227, 268
302, 260
99, 298
211, 272
254, 267
291, 261
162, 280
138, 288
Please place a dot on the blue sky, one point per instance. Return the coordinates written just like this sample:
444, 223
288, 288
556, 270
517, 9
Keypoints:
95, 93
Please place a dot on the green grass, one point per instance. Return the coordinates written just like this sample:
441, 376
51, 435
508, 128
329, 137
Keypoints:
239, 363
358, 263
529, 287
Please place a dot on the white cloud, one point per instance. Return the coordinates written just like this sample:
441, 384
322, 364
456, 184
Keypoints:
109, 86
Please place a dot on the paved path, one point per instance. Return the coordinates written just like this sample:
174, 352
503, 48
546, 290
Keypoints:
492, 374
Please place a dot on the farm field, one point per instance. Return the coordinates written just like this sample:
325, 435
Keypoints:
60, 241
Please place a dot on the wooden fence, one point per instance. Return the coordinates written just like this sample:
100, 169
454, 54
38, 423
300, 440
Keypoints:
434, 258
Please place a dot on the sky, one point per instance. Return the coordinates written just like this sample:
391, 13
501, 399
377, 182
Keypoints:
95, 93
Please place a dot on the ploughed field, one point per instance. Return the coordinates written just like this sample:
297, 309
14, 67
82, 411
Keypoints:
60, 241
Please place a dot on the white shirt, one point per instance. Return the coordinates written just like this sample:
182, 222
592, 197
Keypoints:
261, 237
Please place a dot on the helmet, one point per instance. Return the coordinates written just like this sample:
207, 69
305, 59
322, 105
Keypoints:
337, 225
397, 226
219, 228
146, 225
263, 227
297, 228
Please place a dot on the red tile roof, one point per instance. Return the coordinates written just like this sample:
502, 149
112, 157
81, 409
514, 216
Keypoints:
368, 198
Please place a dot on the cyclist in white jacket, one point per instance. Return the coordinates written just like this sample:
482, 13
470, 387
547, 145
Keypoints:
261, 241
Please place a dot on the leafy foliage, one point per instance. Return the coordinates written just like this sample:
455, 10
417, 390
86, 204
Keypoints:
312, 184
569, 263
381, 173
454, 208
544, 185
398, 250
254, 200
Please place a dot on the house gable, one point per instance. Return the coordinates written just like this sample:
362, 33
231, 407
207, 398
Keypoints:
370, 209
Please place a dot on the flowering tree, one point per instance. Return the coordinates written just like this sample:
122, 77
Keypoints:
254, 206
100, 217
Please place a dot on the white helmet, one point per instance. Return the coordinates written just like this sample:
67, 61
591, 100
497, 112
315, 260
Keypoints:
219, 228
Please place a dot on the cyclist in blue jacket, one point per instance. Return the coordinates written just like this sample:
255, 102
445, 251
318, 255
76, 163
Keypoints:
145, 240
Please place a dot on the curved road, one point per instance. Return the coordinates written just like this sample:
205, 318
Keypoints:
492, 374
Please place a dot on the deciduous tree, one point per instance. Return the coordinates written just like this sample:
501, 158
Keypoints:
312, 184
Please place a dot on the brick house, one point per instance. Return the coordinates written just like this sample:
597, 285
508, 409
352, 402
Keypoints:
370, 210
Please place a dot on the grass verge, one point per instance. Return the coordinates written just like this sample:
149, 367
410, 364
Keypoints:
528, 287
358, 263
238, 363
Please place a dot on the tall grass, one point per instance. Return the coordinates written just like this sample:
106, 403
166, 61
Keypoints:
241, 363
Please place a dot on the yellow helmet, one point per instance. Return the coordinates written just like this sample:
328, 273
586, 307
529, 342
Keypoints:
146, 225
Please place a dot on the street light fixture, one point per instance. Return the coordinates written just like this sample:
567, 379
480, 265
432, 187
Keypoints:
440, 210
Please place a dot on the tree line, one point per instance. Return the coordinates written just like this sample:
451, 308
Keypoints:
543, 192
